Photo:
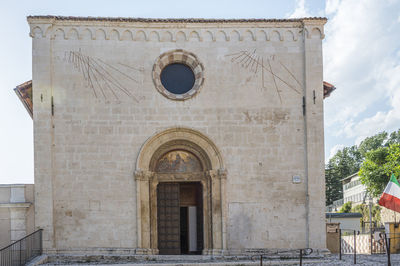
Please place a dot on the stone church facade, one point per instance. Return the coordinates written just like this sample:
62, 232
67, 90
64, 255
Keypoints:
178, 136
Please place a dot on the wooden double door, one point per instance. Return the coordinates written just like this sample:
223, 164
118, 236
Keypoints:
179, 218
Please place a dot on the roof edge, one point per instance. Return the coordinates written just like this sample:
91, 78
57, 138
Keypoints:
23, 95
349, 176
172, 20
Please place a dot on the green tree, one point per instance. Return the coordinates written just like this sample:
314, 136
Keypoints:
346, 207
344, 163
378, 166
363, 209
393, 138
333, 189
371, 153
372, 143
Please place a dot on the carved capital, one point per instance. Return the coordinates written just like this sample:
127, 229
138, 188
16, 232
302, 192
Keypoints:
143, 175
222, 173
217, 174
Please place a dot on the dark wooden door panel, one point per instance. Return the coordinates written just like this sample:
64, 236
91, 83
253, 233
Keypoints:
168, 219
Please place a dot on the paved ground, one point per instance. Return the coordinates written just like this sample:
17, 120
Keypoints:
369, 260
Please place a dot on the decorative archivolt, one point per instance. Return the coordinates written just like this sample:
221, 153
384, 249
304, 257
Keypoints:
167, 35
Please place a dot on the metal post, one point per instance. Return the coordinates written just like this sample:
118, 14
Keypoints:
301, 257
40, 241
355, 247
261, 262
370, 221
20, 251
387, 249
340, 244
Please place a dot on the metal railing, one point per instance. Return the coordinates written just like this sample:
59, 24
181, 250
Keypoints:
354, 233
304, 252
23, 250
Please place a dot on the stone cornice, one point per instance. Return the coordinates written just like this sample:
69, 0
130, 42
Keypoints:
52, 19
170, 29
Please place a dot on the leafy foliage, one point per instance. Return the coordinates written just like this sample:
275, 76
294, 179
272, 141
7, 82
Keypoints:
363, 209
344, 163
346, 208
378, 166
376, 156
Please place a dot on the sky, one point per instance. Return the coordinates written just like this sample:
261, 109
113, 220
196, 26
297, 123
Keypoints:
361, 58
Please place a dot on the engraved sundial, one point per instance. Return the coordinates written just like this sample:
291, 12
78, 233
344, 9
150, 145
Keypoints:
106, 80
258, 64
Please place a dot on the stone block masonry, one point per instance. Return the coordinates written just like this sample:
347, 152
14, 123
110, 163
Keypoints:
254, 120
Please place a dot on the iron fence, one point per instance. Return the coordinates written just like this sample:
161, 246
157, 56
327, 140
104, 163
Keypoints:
303, 253
23, 250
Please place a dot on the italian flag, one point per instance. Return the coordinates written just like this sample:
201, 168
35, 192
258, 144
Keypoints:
391, 195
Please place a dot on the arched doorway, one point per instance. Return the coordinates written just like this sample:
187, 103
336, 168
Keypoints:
180, 180
179, 204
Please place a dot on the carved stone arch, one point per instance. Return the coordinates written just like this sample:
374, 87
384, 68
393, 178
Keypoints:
47, 31
212, 178
235, 36
154, 36
248, 36
59, 34
166, 36
140, 36
261, 35
181, 36
209, 36
100, 34
222, 36
181, 144
193, 136
194, 36
36, 32
276, 36
127, 35
87, 34
289, 36
115, 35
73, 34
317, 33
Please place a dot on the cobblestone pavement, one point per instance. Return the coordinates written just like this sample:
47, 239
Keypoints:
370, 260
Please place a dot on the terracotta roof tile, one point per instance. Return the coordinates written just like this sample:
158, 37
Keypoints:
24, 93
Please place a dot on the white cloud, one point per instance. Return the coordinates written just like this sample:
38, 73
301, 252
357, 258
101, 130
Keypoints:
361, 57
333, 151
300, 10
331, 6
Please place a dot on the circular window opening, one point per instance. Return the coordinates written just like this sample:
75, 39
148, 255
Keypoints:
177, 78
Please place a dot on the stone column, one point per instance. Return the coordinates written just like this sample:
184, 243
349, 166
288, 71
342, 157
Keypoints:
143, 212
217, 183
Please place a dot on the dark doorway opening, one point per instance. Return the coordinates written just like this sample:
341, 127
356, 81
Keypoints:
180, 218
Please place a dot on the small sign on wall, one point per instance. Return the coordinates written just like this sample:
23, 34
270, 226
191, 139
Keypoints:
296, 179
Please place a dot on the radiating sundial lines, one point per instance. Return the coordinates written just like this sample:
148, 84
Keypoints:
256, 63
101, 76
273, 77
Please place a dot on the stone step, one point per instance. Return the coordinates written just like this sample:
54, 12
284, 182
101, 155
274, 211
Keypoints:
172, 260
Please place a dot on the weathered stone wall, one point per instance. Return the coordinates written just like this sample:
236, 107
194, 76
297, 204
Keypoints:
16, 212
98, 77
